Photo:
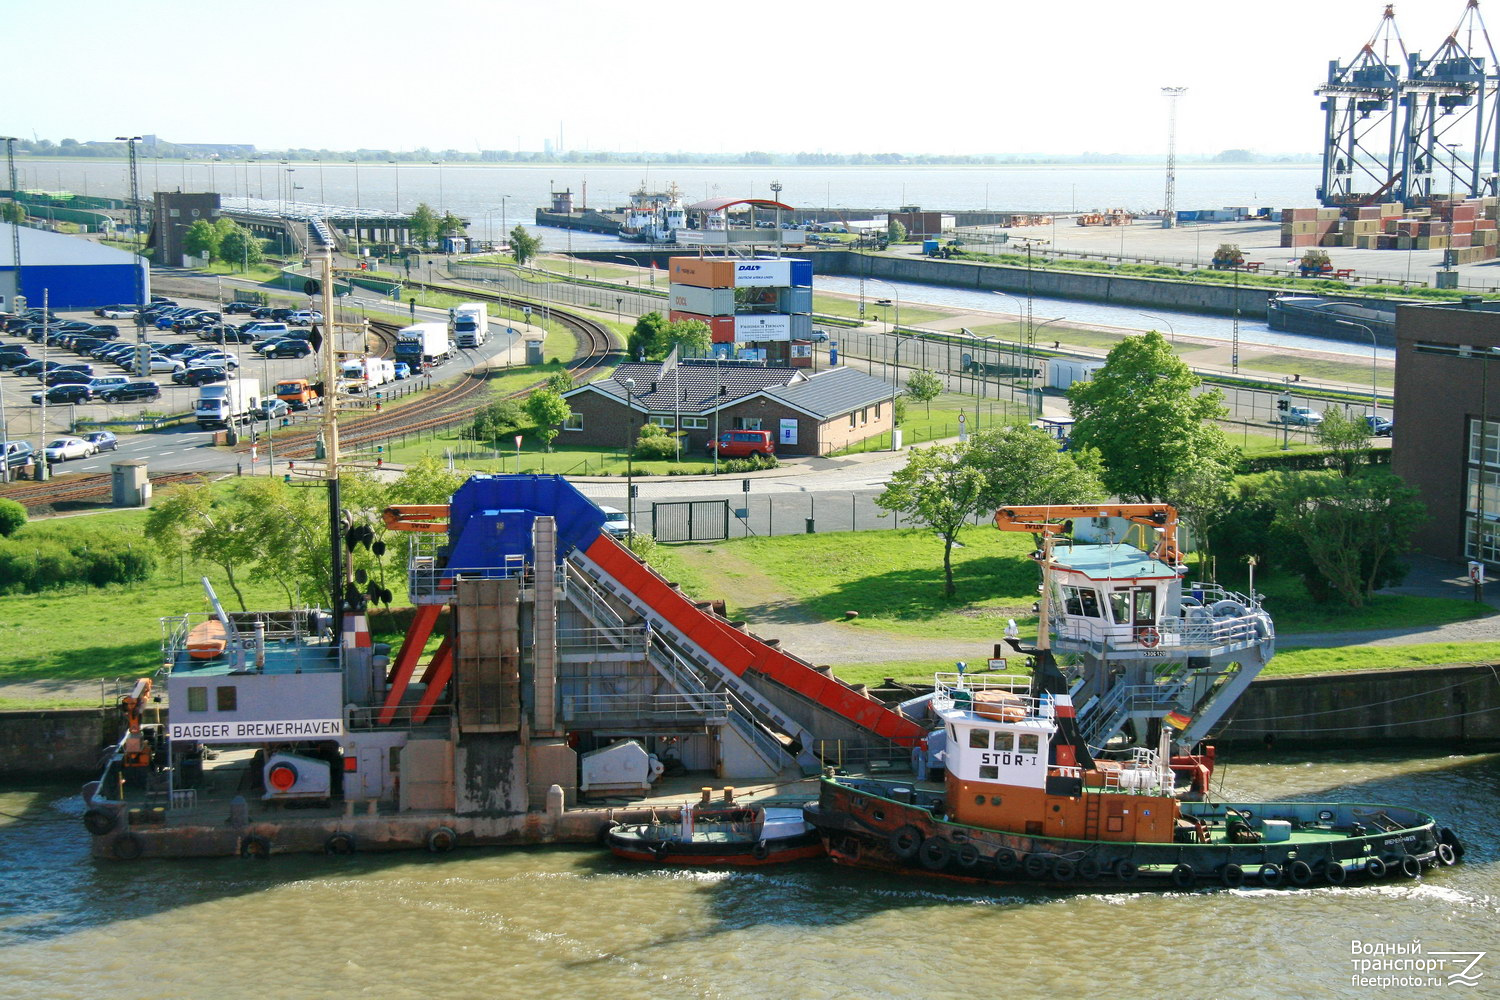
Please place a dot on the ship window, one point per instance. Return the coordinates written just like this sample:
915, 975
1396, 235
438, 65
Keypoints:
197, 699
1005, 741
1145, 606
979, 739
1119, 606
228, 699
951, 734
989, 771
1028, 743
1081, 601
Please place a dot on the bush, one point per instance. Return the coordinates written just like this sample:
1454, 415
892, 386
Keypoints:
494, 421
752, 464
12, 517
655, 442
30, 565
1303, 461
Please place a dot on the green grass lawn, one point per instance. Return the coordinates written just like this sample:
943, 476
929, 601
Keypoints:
940, 420
1321, 369
1293, 611
1292, 661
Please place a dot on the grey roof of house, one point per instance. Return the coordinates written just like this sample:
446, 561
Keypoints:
834, 392
40, 248
693, 386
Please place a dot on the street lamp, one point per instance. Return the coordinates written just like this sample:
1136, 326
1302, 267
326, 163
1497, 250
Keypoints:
398, 185
629, 384
1161, 319
1410, 247
439, 165
358, 244
1374, 390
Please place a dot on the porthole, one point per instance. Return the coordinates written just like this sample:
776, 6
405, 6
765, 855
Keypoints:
879, 815
994, 800
979, 800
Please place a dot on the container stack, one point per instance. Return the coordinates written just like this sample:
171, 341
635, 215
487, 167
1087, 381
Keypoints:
757, 308
1467, 226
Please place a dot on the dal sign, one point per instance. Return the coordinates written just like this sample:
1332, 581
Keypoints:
773, 273
249, 731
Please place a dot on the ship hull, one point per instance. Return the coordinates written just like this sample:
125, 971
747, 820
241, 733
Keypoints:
865, 823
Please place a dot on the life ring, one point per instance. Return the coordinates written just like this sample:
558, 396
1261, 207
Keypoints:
1232, 876
1335, 873
760, 851
1005, 860
1126, 870
1446, 856
1411, 867
255, 847
339, 844
1063, 870
905, 842
935, 853
967, 855
127, 847
1375, 868
1036, 865
1088, 869
1447, 836
443, 839
1269, 875
100, 821
1148, 637
1300, 872
1182, 876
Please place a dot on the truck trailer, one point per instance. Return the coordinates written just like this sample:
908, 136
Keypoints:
225, 404
361, 374
423, 342
470, 324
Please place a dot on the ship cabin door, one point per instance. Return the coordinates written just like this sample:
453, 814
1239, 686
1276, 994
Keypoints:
1136, 607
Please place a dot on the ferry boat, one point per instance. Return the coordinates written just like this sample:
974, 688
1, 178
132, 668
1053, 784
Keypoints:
654, 216
718, 835
1069, 776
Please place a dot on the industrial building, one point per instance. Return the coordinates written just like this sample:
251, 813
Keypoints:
75, 273
810, 414
1447, 417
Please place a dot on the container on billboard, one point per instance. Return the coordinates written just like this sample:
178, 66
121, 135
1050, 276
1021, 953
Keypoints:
702, 273
720, 328
764, 272
760, 329
703, 301
794, 300
802, 272
802, 328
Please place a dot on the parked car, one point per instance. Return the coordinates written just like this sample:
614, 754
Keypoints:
286, 348
218, 359
103, 441
159, 363
36, 367
131, 391
65, 448
18, 453
305, 317
272, 408
281, 315
616, 522
67, 392
105, 331
742, 444
1379, 426
72, 373
100, 383
119, 312
198, 376
240, 307
1301, 416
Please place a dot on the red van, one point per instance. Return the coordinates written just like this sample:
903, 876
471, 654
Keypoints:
742, 444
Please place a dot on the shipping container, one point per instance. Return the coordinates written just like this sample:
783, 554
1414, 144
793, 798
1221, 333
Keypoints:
757, 329
802, 273
702, 272
762, 272
703, 301
795, 300
721, 328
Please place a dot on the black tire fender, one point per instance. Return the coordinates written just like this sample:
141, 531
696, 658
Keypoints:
1088, 869
1063, 870
255, 847
1376, 868
935, 853
905, 842
761, 851
1446, 855
1335, 873
1036, 865
1447, 836
967, 855
127, 847
1232, 876
604, 832
339, 844
1411, 867
1005, 860
101, 821
1126, 870
1182, 876
1269, 875
1300, 872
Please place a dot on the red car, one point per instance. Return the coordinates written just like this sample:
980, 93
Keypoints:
742, 444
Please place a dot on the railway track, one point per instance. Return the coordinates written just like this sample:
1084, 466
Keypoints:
77, 488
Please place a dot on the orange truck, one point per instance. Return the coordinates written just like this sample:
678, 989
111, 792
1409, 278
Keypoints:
297, 393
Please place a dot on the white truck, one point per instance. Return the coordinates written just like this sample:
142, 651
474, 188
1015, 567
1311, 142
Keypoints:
423, 342
360, 374
224, 404
470, 324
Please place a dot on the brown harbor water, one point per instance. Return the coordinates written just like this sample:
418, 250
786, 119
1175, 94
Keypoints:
576, 923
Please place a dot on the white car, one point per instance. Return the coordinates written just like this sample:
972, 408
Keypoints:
616, 521
65, 448
120, 313
305, 317
158, 363
1302, 416
217, 359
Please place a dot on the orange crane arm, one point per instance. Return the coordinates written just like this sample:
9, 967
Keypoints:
1051, 520
431, 517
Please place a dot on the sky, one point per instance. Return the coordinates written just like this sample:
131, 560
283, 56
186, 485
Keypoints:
941, 77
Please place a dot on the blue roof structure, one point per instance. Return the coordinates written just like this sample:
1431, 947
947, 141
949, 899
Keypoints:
1118, 561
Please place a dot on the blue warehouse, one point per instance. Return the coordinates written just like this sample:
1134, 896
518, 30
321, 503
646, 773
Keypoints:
76, 273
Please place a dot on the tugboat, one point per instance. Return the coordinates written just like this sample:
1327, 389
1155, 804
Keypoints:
1053, 779
718, 835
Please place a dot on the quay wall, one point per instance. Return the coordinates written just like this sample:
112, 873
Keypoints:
68, 743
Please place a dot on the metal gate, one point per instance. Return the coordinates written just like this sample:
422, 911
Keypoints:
690, 521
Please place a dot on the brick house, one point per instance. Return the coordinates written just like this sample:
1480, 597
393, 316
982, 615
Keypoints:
809, 413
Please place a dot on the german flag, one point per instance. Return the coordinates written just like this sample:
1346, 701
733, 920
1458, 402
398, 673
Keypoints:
1177, 720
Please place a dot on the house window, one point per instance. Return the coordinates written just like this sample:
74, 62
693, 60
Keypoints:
574, 422
662, 420
197, 699
864, 415
228, 700
851, 420
695, 423
747, 423
877, 411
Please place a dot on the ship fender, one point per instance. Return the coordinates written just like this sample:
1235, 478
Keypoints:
905, 842
604, 832
1411, 867
1375, 868
1335, 873
935, 853
1063, 870
1232, 876
1088, 869
1447, 836
127, 847
339, 843
1269, 875
1182, 876
255, 847
1126, 870
760, 851
967, 856
1036, 865
660, 850
444, 839
1005, 860
1300, 872
1446, 856
101, 821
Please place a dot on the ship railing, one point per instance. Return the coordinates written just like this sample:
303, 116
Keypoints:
366, 718
285, 634
742, 716
1140, 775
863, 759
1200, 626
950, 689
706, 708
626, 639
429, 576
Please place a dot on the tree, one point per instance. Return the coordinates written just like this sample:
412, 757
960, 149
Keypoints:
939, 488
13, 212
549, 410
648, 339
924, 386
691, 337
450, 225
424, 224
1346, 436
560, 381
895, 232
1139, 411
495, 419
197, 521
237, 246
1349, 526
425, 481
1203, 493
1022, 466
12, 517
202, 239
523, 245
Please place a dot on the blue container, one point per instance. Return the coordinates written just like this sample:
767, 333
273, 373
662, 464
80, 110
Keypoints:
802, 272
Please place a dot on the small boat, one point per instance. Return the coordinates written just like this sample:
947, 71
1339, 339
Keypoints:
718, 835
207, 640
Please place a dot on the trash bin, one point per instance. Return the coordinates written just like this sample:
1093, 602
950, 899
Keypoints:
810, 529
